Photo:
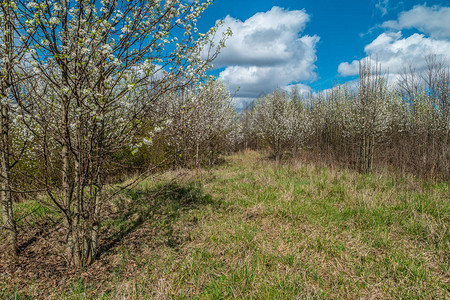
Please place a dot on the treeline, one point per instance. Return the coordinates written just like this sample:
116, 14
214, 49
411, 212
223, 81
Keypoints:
401, 123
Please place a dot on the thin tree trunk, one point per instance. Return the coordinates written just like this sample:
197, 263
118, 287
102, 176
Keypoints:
94, 222
93, 249
72, 242
9, 224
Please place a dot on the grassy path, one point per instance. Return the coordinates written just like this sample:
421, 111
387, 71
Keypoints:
256, 230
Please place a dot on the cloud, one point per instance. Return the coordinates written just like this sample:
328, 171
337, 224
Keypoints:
382, 6
241, 103
302, 89
433, 21
394, 52
267, 51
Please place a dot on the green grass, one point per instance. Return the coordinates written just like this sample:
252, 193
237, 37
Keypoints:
257, 230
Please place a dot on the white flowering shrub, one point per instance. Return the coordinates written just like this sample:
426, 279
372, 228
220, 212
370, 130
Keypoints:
271, 121
195, 123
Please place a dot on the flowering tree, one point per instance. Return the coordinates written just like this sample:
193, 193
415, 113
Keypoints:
272, 121
298, 123
424, 115
96, 61
212, 120
196, 122
371, 111
13, 41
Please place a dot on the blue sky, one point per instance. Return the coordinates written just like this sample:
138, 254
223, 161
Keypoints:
315, 43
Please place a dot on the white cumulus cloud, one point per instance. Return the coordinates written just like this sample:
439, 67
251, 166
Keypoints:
267, 51
394, 52
302, 89
433, 21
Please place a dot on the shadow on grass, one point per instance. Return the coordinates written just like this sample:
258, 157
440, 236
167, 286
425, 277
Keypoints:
158, 208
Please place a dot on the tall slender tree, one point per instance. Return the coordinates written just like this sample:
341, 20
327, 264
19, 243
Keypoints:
14, 40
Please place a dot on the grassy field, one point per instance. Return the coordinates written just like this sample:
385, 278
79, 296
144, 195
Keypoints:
257, 230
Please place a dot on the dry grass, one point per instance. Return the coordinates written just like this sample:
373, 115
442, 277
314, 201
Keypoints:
257, 230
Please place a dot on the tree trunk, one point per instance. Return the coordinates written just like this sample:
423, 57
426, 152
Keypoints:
9, 224
95, 230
